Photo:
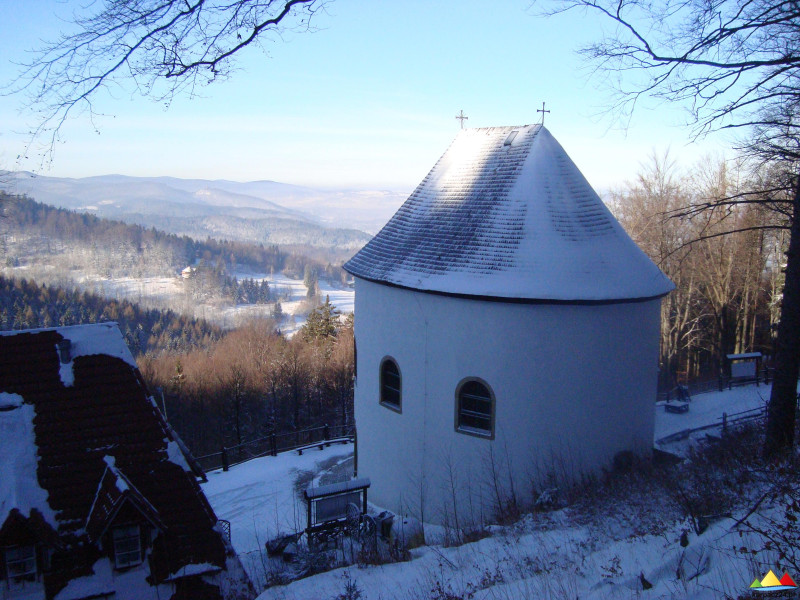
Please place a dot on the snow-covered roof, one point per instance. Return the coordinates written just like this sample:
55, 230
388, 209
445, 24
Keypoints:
19, 486
80, 437
505, 213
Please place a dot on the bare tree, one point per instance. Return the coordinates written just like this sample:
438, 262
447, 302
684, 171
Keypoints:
161, 47
735, 64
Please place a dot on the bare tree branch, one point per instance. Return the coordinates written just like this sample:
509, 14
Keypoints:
160, 47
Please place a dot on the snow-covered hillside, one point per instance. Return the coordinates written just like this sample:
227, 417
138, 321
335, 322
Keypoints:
613, 546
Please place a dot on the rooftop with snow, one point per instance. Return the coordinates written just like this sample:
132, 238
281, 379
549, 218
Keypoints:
505, 213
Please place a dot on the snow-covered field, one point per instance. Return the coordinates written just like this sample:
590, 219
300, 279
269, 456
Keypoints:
170, 293
547, 555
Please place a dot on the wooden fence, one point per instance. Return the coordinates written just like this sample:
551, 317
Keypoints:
277, 442
724, 424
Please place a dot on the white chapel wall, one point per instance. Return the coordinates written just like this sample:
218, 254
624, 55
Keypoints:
574, 385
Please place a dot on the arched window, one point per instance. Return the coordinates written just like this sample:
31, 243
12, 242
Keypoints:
475, 408
391, 385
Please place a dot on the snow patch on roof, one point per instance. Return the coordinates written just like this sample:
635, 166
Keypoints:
509, 218
99, 338
87, 340
100, 583
67, 374
10, 401
194, 569
19, 484
175, 455
120, 480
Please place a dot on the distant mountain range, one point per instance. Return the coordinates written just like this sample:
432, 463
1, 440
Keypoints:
259, 211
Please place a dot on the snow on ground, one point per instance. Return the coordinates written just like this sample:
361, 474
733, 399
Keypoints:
707, 408
155, 289
561, 562
168, 292
262, 498
544, 556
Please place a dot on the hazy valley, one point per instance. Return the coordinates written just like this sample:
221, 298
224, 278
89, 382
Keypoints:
261, 212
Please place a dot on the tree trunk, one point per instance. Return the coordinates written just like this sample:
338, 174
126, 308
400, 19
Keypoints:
782, 401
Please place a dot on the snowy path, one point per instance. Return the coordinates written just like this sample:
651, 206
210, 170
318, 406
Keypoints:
707, 409
260, 498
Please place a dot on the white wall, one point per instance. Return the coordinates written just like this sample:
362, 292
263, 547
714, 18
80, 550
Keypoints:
574, 385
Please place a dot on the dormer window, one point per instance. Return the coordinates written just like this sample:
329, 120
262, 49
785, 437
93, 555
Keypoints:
127, 546
21, 564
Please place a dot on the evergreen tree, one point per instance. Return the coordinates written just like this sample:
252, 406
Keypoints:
322, 323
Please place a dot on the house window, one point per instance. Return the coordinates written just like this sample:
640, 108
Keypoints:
127, 546
391, 384
21, 563
475, 408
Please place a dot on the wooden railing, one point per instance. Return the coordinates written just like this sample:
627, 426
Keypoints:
718, 384
724, 423
277, 442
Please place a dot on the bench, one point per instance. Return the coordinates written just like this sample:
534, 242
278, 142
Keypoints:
676, 407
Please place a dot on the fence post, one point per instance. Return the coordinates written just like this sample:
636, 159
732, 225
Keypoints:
326, 434
724, 423
224, 458
273, 445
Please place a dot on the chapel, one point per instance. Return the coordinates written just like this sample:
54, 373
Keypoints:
507, 332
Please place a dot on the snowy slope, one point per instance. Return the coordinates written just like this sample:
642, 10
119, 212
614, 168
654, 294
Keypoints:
262, 498
549, 555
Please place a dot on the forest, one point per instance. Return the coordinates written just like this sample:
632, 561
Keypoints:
727, 285
254, 382
219, 387
31, 230
26, 305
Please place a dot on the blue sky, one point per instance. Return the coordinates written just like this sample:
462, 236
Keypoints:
369, 100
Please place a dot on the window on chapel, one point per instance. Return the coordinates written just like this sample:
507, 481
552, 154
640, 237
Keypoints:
475, 408
391, 385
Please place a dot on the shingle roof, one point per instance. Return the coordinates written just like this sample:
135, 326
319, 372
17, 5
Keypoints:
506, 214
92, 408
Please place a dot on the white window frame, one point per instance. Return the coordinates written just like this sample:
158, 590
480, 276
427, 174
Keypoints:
30, 572
127, 556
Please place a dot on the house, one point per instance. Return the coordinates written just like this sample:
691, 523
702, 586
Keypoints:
97, 497
507, 332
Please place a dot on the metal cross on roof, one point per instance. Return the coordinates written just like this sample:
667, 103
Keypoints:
542, 111
462, 117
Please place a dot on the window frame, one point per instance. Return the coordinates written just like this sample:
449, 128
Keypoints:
467, 429
115, 541
30, 575
398, 406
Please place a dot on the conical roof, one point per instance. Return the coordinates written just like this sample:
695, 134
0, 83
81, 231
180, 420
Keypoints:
506, 214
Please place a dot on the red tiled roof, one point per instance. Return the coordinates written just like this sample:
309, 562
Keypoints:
105, 412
